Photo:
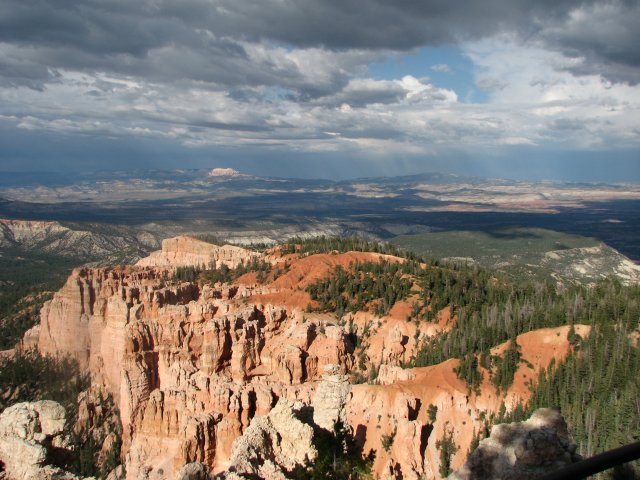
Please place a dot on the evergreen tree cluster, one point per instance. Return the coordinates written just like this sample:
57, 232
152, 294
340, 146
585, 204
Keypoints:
25, 284
468, 371
448, 449
506, 366
355, 289
324, 244
597, 386
20, 317
490, 312
186, 274
222, 274
339, 457
28, 376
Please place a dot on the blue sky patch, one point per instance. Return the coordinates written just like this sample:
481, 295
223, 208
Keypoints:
424, 62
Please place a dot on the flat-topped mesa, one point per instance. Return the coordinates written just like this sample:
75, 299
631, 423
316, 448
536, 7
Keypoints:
184, 251
225, 172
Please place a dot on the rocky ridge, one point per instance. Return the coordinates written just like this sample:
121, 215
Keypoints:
28, 433
590, 264
192, 367
273, 444
53, 238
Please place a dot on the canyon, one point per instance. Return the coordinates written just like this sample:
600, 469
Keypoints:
195, 369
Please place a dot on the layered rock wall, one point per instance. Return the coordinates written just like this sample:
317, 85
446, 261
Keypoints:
186, 251
190, 366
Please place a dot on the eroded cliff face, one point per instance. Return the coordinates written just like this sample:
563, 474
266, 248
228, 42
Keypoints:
190, 366
187, 251
399, 406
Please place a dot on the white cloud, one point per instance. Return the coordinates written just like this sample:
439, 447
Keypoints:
441, 67
535, 83
321, 100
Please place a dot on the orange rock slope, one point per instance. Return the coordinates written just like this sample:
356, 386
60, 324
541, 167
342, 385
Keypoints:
190, 365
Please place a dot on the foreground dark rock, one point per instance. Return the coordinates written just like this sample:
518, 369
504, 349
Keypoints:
521, 450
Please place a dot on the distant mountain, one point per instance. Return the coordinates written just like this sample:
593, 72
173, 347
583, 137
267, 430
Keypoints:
429, 177
92, 243
525, 253
225, 172
378, 208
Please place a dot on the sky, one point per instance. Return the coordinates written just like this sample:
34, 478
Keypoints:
323, 88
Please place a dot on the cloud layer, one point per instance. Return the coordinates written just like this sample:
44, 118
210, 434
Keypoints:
294, 75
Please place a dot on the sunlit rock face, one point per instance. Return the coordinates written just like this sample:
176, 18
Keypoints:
186, 251
193, 367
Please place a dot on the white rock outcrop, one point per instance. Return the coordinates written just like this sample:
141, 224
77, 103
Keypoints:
225, 172
193, 471
27, 431
330, 398
521, 450
184, 251
274, 444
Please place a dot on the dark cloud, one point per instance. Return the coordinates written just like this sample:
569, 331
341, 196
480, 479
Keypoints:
103, 28
135, 28
24, 151
16, 72
360, 93
204, 40
603, 37
366, 24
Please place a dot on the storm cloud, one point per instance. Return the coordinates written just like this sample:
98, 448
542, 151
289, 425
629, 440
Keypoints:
295, 74
206, 40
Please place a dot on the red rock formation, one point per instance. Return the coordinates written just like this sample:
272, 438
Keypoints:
402, 405
190, 365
